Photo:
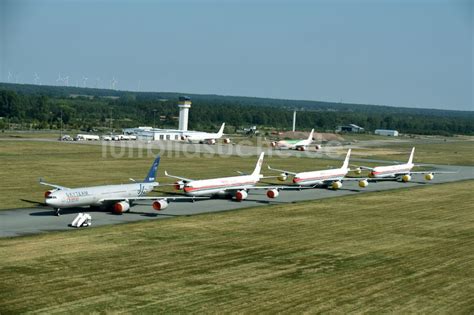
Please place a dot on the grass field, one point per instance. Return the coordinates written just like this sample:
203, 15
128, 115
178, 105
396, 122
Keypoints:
76, 165
391, 252
31, 134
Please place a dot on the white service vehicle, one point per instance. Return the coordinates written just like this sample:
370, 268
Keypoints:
82, 220
84, 137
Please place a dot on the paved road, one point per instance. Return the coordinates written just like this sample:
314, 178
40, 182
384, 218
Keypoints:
18, 222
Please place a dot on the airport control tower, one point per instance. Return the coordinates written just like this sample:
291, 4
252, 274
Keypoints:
184, 105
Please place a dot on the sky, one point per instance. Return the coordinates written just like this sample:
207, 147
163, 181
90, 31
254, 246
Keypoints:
400, 53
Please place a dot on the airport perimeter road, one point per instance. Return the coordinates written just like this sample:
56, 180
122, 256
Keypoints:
18, 222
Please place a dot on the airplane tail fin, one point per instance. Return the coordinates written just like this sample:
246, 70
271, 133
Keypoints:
346, 161
150, 177
258, 167
410, 160
221, 131
310, 138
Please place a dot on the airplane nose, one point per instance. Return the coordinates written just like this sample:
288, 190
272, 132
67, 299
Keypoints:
51, 202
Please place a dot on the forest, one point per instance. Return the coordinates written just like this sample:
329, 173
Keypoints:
47, 107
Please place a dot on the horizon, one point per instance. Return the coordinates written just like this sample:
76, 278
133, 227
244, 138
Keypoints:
336, 52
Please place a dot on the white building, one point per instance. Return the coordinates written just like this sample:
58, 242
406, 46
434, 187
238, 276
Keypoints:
149, 133
184, 106
385, 132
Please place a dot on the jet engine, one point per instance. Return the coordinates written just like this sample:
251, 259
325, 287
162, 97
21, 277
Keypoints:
121, 207
211, 141
363, 183
406, 178
273, 144
179, 185
272, 193
318, 147
358, 171
429, 176
241, 195
159, 205
226, 140
282, 177
336, 185
300, 148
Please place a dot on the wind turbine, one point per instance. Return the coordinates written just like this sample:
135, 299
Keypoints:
9, 77
37, 79
113, 83
84, 81
59, 79
66, 80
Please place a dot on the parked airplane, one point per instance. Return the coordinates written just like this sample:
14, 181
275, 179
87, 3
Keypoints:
120, 197
204, 137
328, 178
300, 145
236, 186
398, 172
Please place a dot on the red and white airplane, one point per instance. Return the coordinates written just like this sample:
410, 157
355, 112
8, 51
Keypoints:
235, 186
401, 172
328, 178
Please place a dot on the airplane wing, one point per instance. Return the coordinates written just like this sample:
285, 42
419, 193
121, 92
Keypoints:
268, 187
278, 187
180, 178
52, 185
354, 179
367, 168
432, 172
283, 171
155, 198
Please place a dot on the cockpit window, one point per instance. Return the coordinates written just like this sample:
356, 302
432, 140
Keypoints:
51, 197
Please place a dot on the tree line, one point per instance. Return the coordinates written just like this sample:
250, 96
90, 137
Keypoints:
49, 107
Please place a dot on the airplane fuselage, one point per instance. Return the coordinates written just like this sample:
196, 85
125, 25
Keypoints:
202, 136
391, 170
292, 144
219, 186
95, 195
319, 177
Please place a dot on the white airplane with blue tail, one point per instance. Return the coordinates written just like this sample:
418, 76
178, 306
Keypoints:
117, 197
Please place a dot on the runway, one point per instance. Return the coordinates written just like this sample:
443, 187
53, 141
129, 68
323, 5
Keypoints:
17, 222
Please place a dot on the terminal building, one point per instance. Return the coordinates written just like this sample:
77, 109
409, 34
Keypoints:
151, 134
